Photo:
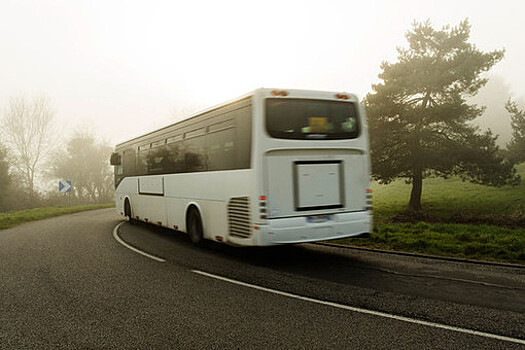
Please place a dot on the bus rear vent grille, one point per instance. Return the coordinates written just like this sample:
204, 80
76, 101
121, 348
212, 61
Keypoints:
239, 217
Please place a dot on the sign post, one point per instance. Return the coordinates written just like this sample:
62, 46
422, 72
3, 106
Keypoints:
65, 186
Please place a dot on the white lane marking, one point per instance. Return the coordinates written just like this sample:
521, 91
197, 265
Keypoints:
365, 311
118, 239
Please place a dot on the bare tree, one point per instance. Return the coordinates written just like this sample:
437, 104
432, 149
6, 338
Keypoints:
5, 177
28, 130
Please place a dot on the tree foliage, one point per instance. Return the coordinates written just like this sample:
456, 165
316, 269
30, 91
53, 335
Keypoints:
86, 164
418, 116
516, 146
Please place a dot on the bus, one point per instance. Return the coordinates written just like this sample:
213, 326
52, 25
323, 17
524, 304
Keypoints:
271, 167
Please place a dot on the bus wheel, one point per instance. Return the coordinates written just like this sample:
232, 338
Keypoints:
194, 227
127, 212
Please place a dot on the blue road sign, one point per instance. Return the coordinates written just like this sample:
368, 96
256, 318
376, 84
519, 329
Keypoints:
64, 186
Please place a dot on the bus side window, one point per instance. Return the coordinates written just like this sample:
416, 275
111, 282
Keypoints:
174, 158
221, 149
157, 160
195, 154
128, 162
243, 137
142, 164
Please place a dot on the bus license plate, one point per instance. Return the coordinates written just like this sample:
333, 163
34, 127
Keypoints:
318, 218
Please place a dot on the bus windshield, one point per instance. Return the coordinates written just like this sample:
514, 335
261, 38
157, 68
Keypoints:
311, 119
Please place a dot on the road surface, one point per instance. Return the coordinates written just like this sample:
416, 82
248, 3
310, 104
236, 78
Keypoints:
67, 282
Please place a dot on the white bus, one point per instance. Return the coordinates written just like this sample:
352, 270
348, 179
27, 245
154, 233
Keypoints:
272, 167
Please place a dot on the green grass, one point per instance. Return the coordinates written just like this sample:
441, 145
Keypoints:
13, 218
459, 219
446, 199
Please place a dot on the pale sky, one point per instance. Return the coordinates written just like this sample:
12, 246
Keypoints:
121, 68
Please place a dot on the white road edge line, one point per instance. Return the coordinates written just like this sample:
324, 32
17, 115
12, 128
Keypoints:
365, 311
118, 239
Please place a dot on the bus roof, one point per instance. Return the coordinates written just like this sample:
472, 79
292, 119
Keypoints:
264, 92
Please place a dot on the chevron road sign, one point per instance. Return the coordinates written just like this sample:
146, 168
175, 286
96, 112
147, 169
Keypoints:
64, 186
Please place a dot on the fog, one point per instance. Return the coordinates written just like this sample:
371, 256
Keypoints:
124, 68
494, 96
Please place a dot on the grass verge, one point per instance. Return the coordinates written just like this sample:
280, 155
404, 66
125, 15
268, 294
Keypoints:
13, 218
453, 200
481, 242
458, 219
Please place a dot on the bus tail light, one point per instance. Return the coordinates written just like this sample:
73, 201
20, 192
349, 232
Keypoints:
342, 96
279, 93
263, 208
368, 199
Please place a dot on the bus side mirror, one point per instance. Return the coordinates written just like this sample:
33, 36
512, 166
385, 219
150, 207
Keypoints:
115, 159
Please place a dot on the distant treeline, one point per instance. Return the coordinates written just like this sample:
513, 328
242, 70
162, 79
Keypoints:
33, 157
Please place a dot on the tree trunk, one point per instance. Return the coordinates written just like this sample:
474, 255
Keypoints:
417, 189
30, 187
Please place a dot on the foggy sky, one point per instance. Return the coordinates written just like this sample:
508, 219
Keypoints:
122, 68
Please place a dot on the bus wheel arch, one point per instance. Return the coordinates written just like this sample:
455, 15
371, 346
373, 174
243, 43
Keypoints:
194, 225
128, 212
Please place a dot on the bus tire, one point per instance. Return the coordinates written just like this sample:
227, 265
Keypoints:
194, 226
127, 212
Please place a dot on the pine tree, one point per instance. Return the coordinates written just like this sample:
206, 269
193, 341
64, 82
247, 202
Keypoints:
419, 119
516, 146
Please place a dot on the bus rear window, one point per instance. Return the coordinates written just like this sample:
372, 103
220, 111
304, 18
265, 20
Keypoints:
311, 119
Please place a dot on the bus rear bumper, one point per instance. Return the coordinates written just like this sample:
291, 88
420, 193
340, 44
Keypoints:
316, 228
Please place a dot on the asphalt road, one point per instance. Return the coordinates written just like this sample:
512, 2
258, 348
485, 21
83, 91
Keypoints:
67, 283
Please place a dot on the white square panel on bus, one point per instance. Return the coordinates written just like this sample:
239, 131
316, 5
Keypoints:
318, 185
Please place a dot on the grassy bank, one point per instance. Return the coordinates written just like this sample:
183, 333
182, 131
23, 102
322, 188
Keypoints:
13, 218
481, 242
459, 219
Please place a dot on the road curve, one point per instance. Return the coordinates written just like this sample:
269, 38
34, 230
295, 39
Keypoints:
68, 283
